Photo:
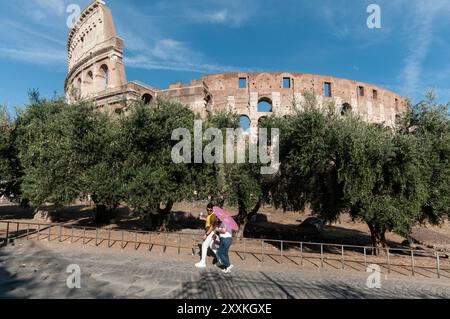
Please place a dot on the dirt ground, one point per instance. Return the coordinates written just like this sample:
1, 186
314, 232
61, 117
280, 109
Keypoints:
279, 225
76, 227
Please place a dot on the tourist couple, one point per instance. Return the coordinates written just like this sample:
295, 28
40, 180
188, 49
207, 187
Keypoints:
216, 234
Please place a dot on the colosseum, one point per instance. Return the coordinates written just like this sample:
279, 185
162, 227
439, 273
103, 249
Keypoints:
97, 72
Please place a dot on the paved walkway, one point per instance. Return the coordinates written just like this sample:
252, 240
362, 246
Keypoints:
38, 270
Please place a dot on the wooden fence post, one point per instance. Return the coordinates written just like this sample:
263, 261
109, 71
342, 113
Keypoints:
321, 255
262, 250
438, 265
301, 253
388, 261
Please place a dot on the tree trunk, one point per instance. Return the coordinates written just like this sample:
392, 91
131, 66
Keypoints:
243, 217
165, 215
158, 218
101, 214
378, 237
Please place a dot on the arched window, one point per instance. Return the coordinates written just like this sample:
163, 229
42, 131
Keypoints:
245, 123
79, 84
104, 74
346, 109
90, 76
208, 100
147, 98
265, 105
89, 81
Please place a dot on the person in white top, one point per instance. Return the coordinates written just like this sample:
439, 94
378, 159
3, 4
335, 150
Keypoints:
209, 241
226, 239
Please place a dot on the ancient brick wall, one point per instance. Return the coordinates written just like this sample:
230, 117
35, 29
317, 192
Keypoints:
96, 71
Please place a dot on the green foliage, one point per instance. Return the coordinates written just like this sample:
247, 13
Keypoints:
56, 144
10, 174
150, 176
390, 180
104, 177
428, 122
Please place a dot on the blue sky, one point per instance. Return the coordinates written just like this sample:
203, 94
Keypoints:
178, 40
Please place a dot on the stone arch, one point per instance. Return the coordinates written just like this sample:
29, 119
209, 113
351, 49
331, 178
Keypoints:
245, 123
147, 98
208, 100
89, 81
346, 109
104, 76
90, 76
265, 105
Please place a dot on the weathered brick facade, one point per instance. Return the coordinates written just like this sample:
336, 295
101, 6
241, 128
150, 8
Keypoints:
97, 71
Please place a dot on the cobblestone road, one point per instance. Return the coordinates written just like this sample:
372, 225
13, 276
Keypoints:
38, 270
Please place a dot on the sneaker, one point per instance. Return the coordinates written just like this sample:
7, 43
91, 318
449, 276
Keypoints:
219, 265
200, 265
228, 270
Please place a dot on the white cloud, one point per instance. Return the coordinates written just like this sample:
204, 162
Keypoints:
421, 37
333, 17
40, 10
147, 63
170, 54
218, 16
232, 13
55, 6
169, 49
35, 55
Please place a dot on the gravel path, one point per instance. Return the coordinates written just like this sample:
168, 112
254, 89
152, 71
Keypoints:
38, 270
